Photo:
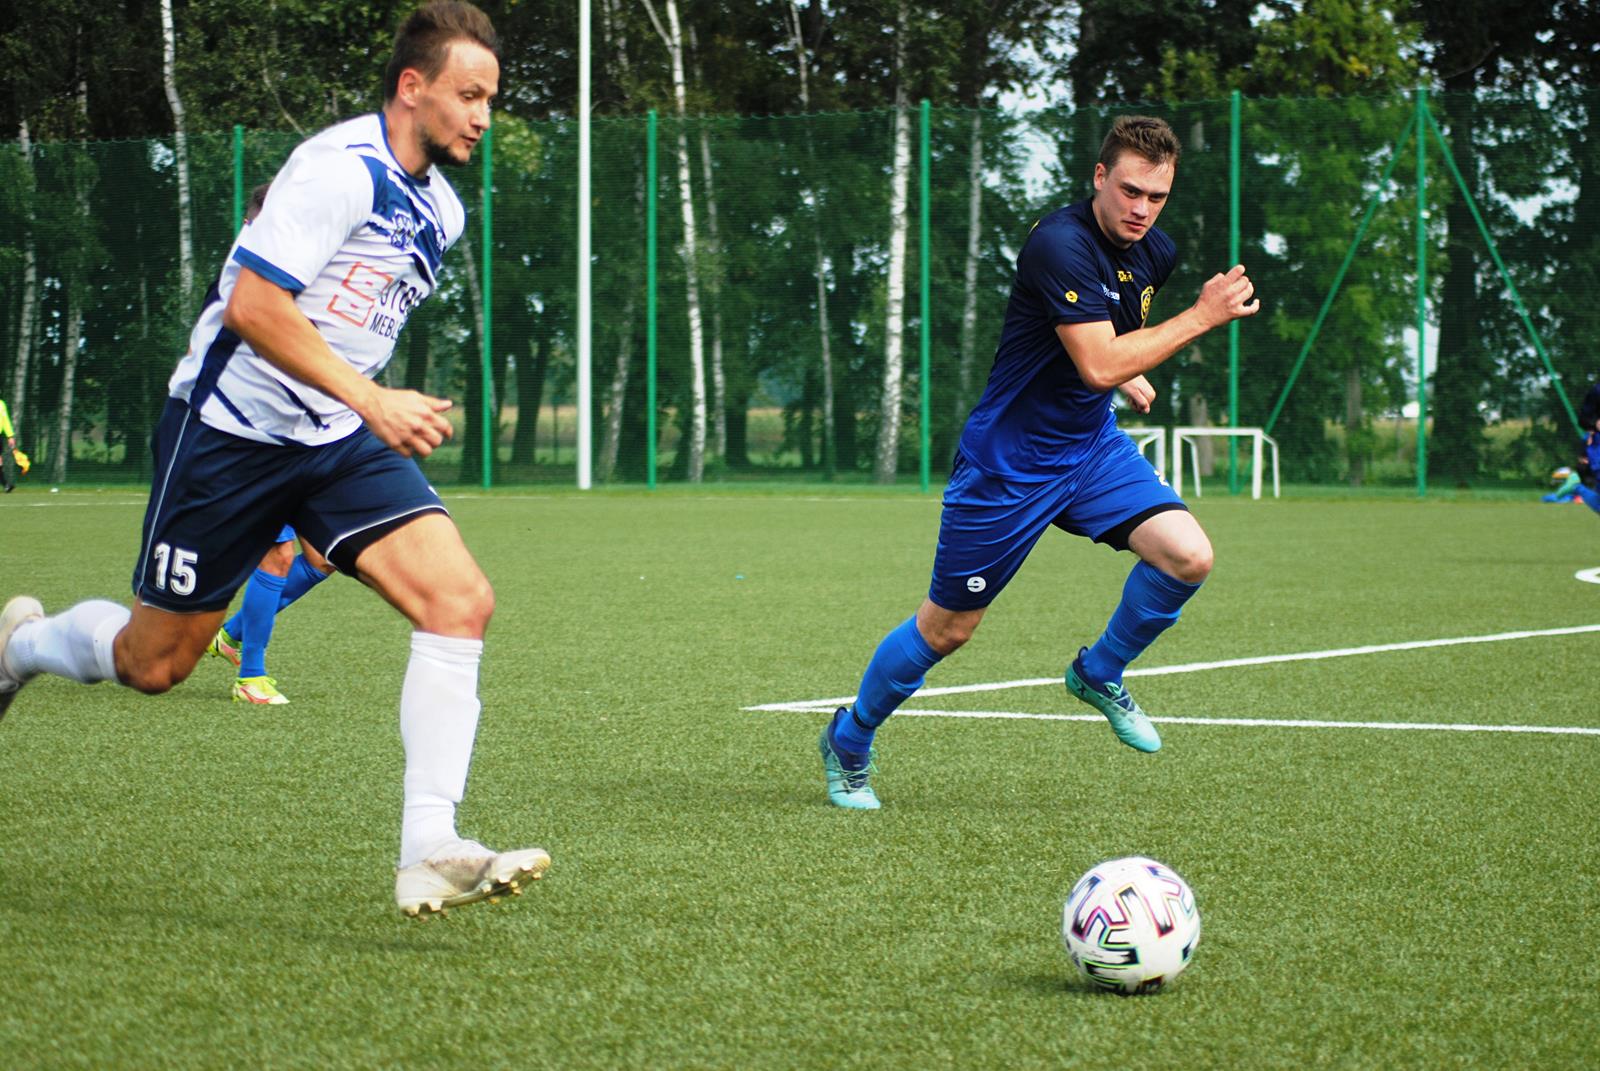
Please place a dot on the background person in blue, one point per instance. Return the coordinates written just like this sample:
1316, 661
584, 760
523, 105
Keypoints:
1042, 448
1583, 479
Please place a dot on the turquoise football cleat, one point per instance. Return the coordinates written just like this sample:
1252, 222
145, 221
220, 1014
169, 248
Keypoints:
1128, 721
847, 772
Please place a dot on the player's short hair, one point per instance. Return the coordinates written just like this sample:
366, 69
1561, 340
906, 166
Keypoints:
423, 41
1146, 135
258, 198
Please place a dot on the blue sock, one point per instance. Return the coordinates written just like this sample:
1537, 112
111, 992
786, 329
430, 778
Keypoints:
1151, 602
303, 576
255, 619
897, 669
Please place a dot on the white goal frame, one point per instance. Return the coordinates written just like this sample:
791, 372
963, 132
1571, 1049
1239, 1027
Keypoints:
1259, 439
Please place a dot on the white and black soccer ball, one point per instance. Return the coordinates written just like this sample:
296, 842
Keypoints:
1131, 925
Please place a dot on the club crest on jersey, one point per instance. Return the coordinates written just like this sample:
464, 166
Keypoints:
401, 227
1145, 298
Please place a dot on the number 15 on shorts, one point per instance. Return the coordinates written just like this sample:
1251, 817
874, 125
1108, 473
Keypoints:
176, 565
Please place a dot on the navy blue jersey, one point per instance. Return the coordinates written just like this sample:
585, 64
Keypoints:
1037, 418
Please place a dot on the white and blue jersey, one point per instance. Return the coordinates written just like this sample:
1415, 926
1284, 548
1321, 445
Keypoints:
358, 241
1041, 447
243, 449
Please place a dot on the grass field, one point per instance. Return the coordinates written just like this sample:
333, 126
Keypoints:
189, 883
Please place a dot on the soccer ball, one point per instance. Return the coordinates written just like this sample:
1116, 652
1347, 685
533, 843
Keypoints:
1130, 925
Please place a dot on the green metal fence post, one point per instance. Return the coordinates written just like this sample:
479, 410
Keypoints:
927, 328
1422, 291
488, 306
1233, 258
650, 300
238, 177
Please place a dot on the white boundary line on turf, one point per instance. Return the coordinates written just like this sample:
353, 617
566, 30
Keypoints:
814, 706
71, 503
1588, 576
1196, 667
1281, 723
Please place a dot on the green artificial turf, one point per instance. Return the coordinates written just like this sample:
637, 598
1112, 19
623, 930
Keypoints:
187, 882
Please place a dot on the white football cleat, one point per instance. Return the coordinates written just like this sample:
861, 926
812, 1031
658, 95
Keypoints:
20, 609
464, 872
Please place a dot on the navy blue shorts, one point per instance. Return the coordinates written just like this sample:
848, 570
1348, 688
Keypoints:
219, 502
989, 525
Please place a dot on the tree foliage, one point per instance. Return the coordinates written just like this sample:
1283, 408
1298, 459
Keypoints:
1326, 83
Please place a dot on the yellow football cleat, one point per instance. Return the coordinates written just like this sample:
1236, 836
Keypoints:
224, 646
260, 690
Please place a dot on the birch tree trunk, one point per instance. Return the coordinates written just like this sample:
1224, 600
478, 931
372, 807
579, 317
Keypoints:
969, 296
615, 398
672, 37
899, 224
617, 395
825, 332
719, 384
69, 375
30, 290
73, 333
180, 141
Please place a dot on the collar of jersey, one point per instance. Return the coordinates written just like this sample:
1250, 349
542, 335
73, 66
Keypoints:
383, 131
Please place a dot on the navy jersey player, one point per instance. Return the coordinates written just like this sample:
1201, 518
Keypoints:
274, 418
1042, 449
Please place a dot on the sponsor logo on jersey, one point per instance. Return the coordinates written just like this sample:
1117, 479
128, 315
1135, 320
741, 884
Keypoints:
1111, 295
1071, 296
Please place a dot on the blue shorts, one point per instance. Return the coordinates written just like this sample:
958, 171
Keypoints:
989, 524
218, 501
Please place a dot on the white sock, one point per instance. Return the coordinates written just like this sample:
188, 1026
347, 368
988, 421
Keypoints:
75, 644
438, 720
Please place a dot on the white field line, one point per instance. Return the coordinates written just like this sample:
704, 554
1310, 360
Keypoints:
1196, 667
70, 503
1280, 723
813, 706
1588, 576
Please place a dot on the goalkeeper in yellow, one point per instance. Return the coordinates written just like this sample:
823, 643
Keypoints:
10, 458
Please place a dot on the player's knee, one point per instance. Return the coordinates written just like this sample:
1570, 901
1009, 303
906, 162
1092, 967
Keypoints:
947, 637
1192, 564
460, 610
279, 559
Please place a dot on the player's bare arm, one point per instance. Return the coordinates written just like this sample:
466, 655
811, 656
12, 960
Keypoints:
1106, 360
264, 315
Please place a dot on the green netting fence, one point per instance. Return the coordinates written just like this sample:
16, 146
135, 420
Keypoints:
1495, 268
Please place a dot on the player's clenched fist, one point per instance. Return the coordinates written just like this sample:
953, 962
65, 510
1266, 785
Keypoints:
1227, 297
409, 422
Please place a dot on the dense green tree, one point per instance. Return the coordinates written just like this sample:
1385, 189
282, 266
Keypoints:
1473, 47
